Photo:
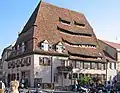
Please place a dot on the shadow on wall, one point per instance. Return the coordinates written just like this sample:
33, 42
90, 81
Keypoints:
117, 77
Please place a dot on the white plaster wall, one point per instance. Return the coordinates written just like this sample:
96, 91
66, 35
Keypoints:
111, 73
118, 59
44, 72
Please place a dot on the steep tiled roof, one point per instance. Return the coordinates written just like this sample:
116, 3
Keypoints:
108, 57
9, 48
45, 24
112, 44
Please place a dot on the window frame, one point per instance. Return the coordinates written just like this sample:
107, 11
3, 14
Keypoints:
64, 21
79, 24
44, 61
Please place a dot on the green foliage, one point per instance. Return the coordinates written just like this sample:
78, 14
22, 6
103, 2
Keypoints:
85, 80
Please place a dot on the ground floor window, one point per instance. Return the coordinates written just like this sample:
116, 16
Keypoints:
75, 75
56, 78
25, 78
37, 82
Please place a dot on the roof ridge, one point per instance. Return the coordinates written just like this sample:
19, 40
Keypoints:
31, 21
112, 44
62, 7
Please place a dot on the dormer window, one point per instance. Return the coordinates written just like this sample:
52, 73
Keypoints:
79, 24
60, 48
64, 21
50, 46
18, 47
45, 45
23, 47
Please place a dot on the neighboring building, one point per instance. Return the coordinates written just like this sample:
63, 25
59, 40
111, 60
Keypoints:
1, 69
55, 43
112, 53
5, 54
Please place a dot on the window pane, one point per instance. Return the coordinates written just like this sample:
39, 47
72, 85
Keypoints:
110, 65
99, 66
74, 64
40, 61
93, 65
114, 65
104, 66
86, 65
77, 64
62, 62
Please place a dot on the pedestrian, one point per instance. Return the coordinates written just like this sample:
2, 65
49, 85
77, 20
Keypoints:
76, 85
2, 87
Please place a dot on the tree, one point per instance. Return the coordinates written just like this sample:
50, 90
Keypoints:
84, 80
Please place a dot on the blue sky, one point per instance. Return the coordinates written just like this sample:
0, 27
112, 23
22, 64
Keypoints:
103, 16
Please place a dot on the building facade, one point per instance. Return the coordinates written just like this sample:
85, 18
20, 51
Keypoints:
111, 52
4, 68
1, 69
56, 46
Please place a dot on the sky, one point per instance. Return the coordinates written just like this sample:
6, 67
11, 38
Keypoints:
103, 16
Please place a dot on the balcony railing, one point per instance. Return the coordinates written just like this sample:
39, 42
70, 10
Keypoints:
64, 68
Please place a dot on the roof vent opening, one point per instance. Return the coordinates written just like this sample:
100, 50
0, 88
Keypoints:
79, 24
64, 21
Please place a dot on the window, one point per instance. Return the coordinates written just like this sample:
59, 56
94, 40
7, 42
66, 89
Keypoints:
114, 65
60, 48
104, 66
13, 64
40, 60
86, 65
70, 76
99, 66
23, 47
93, 65
18, 47
79, 24
81, 65
22, 62
44, 61
65, 75
77, 64
62, 62
17, 76
75, 75
28, 61
64, 21
74, 64
56, 78
110, 65
17, 63
50, 46
9, 65
44, 45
